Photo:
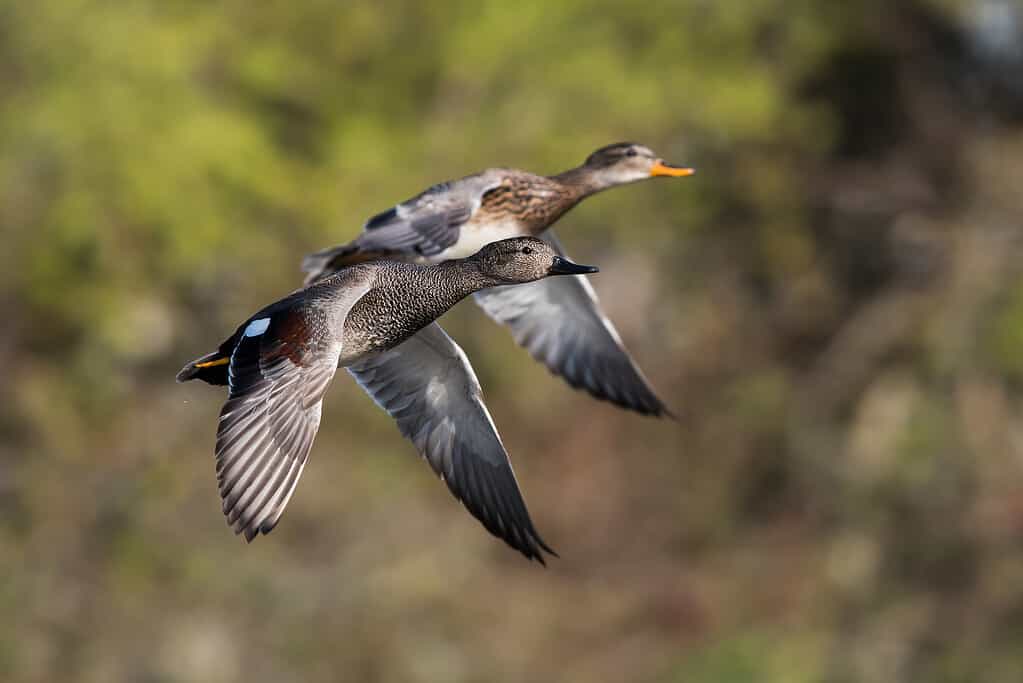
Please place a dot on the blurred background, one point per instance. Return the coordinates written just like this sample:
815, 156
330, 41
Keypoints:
833, 305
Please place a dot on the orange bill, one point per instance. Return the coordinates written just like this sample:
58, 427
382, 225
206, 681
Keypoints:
662, 169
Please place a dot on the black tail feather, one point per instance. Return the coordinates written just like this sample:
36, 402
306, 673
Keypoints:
211, 368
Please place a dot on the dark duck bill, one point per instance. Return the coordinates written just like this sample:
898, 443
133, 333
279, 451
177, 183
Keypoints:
563, 266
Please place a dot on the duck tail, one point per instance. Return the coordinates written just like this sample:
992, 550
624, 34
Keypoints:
325, 263
211, 368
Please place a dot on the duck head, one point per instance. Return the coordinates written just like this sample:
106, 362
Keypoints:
627, 162
524, 259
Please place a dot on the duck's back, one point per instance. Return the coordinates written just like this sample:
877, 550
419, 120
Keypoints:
531, 202
455, 219
500, 203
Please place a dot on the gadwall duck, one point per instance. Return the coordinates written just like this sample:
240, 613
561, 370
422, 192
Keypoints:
376, 320
559, 322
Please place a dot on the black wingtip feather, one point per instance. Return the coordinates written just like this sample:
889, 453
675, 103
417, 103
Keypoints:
640, 400
657, 410
648, 405
497, 516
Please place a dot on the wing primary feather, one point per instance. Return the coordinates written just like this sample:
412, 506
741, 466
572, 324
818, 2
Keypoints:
452, 431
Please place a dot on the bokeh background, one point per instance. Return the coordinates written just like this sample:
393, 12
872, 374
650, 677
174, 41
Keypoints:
833, 305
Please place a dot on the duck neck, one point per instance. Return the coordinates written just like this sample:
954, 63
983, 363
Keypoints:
462, 277
443, 285
583, 181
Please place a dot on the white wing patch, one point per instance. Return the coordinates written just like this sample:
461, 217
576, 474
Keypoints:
256, 327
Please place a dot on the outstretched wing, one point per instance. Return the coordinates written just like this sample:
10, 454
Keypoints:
428, 386
559, 321
280, 367
267, 428
430, 222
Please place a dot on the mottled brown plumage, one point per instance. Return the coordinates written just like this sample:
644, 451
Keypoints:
535, 202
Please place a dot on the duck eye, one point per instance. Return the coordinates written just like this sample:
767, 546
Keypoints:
527, 250
631, 152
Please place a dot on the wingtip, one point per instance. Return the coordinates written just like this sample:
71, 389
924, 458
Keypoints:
239, 526
656, 410
669, 413
538, 556
644, 402
534, 554
537, 548
543, 545
543, 560
664, 411
647, 406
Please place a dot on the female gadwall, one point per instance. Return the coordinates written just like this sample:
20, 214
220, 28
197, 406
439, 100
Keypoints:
559, 322
376, 320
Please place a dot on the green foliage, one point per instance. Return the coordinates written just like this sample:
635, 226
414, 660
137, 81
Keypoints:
753, 658
1005, 338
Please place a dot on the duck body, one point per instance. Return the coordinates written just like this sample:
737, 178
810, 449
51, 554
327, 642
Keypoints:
515, 204
457, 218
559, 322
363, 309
376, 320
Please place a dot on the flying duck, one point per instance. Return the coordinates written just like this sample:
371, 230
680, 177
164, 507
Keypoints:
558, 321
376, 320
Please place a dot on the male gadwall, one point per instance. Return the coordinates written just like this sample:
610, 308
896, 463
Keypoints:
376, 320
559, 322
